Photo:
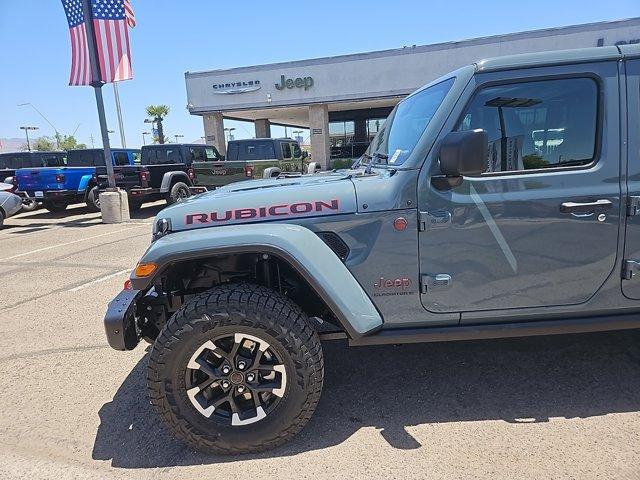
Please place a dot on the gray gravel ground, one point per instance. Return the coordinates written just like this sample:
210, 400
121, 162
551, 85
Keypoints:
70, 407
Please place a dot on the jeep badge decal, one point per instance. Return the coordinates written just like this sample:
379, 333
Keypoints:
262, 212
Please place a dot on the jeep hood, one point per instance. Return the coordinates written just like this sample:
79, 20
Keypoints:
265, 200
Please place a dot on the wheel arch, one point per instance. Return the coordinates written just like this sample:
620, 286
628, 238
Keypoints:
295, 247
170, 178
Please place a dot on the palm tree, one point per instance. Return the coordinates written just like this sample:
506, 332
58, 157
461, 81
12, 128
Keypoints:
158, 113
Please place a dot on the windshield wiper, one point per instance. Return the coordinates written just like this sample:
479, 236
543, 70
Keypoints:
373, 158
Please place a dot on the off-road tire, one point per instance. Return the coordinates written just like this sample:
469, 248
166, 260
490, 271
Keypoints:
179, 191
29, 205
247, 309
93, 200
2, 217
55, 206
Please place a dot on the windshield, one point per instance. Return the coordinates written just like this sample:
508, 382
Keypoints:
402, 130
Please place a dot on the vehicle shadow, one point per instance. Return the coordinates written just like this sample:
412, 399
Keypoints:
514, 380
77, 215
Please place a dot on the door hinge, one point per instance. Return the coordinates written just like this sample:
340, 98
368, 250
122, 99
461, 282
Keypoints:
633, 206
434, 219
629, 269
440, 281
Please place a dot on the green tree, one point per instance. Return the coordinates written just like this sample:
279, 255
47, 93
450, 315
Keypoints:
47, 144
43, 144
158, 114
69, 142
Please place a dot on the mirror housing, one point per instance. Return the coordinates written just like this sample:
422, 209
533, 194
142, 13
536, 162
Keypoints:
461, 153
464, 153
305, 154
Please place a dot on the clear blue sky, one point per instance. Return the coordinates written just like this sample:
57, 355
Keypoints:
175, 36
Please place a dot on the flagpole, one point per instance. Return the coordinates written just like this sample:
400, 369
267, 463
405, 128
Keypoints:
97, 87
116, 94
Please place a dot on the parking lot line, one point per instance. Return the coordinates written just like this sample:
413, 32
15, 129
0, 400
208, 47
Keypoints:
98, 280
50, 247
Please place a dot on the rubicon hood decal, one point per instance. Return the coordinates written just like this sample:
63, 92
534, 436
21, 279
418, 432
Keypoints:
264, 201
281, 210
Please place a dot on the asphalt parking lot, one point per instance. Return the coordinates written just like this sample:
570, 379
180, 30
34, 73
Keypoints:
538, 408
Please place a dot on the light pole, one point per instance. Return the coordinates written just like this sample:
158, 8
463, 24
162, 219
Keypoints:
228, 132
144, 135
178, 136
45, 119
152, 122
26, 132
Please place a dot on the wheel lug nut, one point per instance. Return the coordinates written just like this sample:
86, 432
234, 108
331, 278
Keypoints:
225, 384
226, 369
241, 389
250, 377
241, 365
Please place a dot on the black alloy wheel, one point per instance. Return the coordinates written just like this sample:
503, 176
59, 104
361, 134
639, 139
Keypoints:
236, 379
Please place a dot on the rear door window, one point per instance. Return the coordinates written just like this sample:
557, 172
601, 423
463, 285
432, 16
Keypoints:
211, 154
286, 150
197, 154
297, 152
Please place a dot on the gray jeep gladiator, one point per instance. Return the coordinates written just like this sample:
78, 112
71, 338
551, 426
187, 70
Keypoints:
500, 200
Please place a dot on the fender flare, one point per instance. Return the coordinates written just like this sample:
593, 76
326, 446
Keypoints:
294, 244
168, 177
85, 181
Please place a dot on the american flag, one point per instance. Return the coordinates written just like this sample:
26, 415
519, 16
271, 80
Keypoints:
110, 20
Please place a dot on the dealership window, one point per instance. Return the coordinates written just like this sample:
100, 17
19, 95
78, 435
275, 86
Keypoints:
341, 138
373, 127
341, 133
533, 125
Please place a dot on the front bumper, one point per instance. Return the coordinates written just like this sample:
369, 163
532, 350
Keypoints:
120, 322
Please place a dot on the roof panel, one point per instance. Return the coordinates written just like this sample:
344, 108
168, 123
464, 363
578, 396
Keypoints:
558, 57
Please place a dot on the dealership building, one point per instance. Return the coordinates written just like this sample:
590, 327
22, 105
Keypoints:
343, 100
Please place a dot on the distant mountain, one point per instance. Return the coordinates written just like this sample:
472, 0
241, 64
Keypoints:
11, 144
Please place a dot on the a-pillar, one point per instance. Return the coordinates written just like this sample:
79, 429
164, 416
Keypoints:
263, 128
214, 131
319, 126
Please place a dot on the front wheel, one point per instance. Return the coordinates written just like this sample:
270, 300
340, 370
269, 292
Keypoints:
179, 192
55, 205
93, 200
237, 369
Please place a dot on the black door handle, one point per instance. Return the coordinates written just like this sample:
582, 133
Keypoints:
586, 207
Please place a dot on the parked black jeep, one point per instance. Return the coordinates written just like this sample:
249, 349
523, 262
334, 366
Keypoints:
169, 172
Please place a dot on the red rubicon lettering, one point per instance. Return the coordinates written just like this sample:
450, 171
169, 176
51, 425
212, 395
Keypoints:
301, 207
331, 206
273, 211
263, 212
244, 213
227, 216
200, 217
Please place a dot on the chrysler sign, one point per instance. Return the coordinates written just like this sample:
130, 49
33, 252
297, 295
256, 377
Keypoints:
236, 87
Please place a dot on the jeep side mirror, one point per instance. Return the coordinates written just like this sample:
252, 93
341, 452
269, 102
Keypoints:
461, 154
305, 154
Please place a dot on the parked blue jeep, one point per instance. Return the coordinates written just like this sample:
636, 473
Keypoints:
58, 187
